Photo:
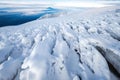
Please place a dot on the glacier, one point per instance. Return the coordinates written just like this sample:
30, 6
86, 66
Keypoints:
75, 46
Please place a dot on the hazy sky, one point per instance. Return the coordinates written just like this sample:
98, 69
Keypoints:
59, 0
79, 3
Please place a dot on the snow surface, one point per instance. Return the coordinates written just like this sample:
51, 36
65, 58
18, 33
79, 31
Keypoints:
77, 46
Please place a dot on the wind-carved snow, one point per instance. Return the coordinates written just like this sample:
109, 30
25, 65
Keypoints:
71, 47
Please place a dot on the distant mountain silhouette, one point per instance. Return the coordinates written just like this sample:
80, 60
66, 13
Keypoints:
50, 8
